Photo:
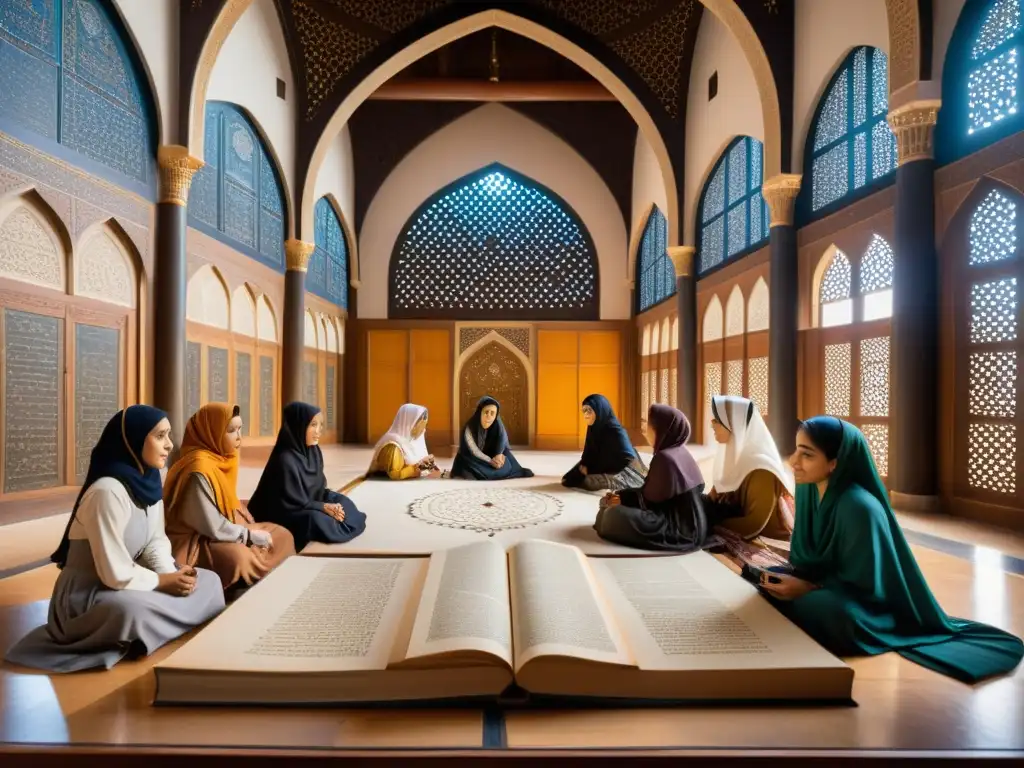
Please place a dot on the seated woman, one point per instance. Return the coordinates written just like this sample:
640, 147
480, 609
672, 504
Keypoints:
205, 520
401, 454
666, 513
293, 491
609, 459
119, 593
752, 493
484, 452
855, 586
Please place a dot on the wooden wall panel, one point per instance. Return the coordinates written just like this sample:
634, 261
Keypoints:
600, 372
430, 383
557, 390
388, 382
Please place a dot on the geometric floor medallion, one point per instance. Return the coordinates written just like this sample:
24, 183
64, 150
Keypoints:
486, 510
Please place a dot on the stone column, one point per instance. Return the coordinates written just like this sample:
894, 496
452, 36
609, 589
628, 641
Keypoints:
170, 279
293, 340
686, 302
780, 193
914, 351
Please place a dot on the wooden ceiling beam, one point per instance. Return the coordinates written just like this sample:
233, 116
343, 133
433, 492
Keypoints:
477, 90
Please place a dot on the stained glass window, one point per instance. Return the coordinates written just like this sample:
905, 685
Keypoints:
237, 193
328, 265
993, 83
68, 75
656, 279
993, 264
494, 245
852, 144
733, 215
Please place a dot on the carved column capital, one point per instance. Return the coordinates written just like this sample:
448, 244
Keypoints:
682, 259
296, 255
780, 193
914, 124
177, 167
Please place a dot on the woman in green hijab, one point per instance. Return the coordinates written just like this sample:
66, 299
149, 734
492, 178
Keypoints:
855, 586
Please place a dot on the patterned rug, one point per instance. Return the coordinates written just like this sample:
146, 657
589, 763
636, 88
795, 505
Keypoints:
486, 510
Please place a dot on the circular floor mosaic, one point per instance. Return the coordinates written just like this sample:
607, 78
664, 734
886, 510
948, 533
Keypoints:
486, 510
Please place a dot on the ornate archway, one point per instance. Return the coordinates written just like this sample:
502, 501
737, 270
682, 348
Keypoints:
494, 370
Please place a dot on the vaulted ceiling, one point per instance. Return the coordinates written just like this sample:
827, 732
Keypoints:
334, 44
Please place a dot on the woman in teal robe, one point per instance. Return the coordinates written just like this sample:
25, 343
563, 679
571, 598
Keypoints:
855, 586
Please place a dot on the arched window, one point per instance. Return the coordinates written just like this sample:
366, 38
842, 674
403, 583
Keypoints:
992, 342
733, 215
834, 293
981, 81
494, 245
855, 307
874, 286
237, 194
328, 266
656, 277
850, 144
69, 75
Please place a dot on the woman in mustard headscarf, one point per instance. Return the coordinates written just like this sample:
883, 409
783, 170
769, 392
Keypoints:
206, 523
852, 582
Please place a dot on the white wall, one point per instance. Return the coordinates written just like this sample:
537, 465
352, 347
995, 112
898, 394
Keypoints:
246, 72
492, 133
945, 15
648, 188
826, 31
154, 26
337, 176
735, 111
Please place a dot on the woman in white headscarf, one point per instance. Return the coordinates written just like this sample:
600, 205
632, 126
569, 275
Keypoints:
752, 493
401, 454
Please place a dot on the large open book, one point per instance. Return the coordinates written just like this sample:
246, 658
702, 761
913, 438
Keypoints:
474, 620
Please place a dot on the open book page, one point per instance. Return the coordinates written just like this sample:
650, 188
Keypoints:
310, 614
556, 607
692, 612
465, 603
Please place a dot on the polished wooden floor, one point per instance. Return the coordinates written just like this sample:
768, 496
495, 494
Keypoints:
903, 710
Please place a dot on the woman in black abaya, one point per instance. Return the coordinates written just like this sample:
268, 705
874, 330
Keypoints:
484, 452
609, 461
293, 490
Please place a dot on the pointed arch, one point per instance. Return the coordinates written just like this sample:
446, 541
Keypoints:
546, 271
240, 195
34, 247
243, 312
531, 387
985, 246
646, 346
833, 289
875, 279
266, 320
106, 266
207, 298
310, 337
493, 137
758, 307
713, 326
674, 331
655, 275
735, 321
